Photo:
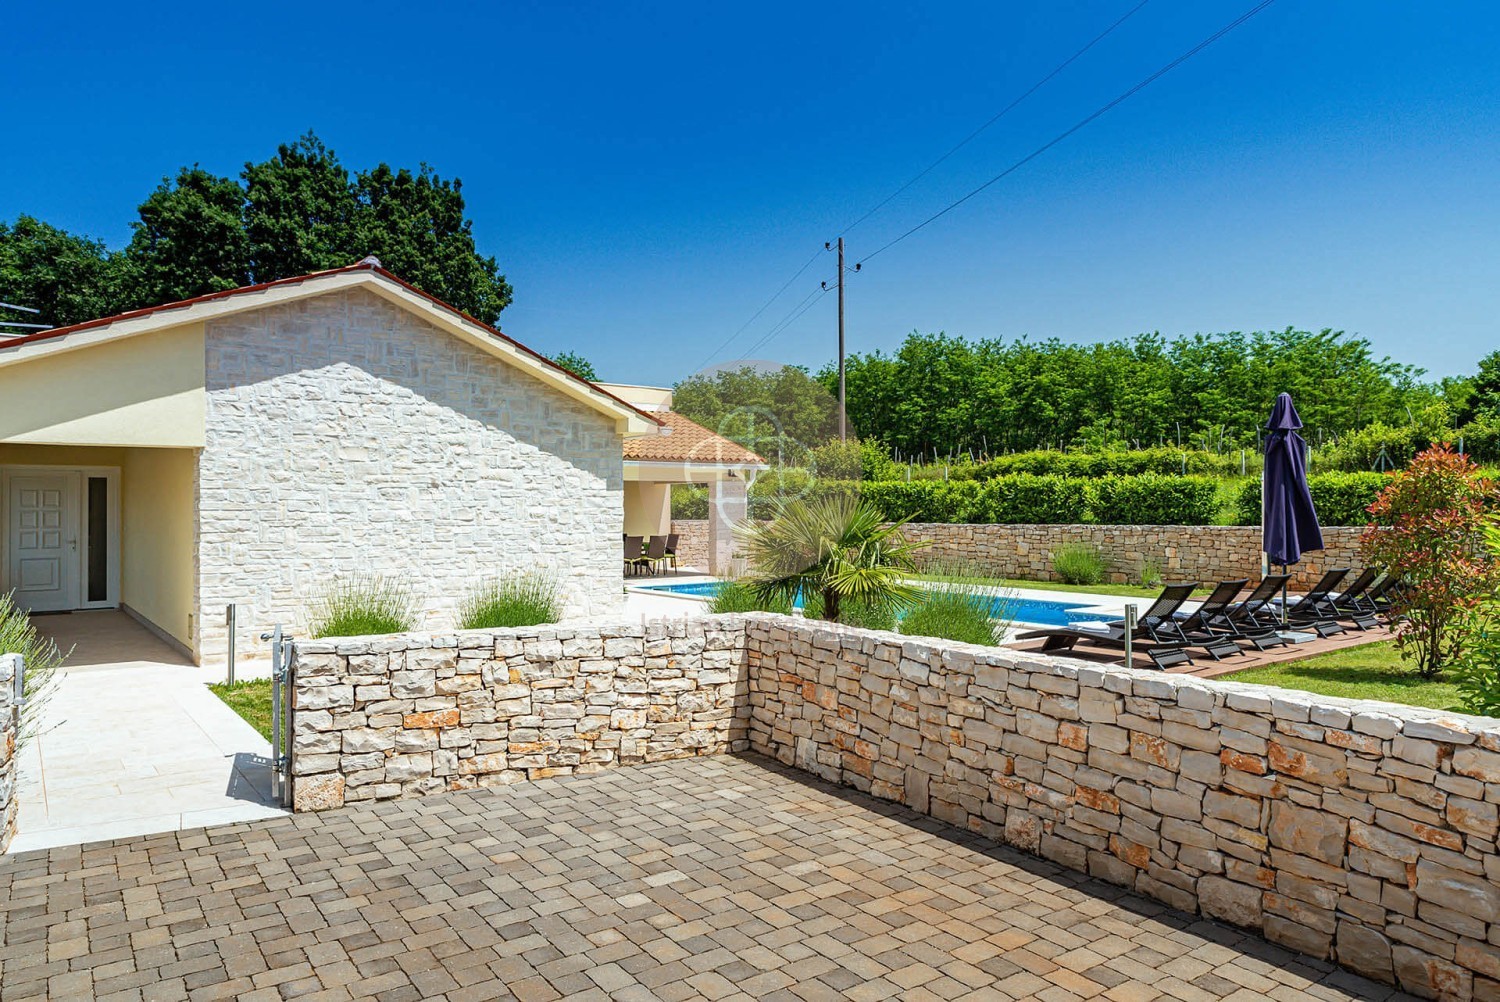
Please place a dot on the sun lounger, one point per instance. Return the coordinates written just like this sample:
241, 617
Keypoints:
1248, 620
1156, 633
1348, 604
1312, 609
1200, 628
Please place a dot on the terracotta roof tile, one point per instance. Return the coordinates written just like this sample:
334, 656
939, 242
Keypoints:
687, 442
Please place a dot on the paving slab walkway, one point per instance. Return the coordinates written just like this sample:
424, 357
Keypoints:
710, 878
131, 742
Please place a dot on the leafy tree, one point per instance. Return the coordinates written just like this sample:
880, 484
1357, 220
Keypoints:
299, 214
188, 241
1428, 525
777, 411
1477, 672
577, 365
415, 224
945, 396
69, 278
832, 550
1483, 402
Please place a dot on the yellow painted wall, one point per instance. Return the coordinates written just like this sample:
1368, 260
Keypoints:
648, 508
158, 512
145, 390
647, 398
158, 506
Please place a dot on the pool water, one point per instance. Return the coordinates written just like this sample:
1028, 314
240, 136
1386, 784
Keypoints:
1034, 611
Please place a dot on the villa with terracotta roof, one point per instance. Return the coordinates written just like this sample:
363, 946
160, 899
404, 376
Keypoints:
251, 446
684, 452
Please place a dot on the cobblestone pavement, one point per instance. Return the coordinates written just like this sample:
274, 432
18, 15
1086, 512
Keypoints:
717, 878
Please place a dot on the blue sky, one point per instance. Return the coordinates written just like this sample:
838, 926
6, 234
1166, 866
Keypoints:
648, 175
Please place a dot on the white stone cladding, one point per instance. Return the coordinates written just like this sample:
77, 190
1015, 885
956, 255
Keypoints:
346, 435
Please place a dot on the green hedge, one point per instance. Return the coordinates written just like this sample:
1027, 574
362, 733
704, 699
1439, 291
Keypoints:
1026, 497
1150, 499
1153, 499
1166, 461
1341, 498
768, 489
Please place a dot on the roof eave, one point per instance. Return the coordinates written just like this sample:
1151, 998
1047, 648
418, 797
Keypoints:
631, 422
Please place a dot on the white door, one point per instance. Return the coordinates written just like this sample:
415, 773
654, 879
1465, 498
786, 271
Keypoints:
42, 541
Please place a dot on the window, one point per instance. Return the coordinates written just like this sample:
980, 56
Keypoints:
96, 585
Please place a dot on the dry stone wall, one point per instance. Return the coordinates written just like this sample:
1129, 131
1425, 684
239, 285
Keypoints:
1179, 552
407, 715
692, 543
10, 664
1362, 833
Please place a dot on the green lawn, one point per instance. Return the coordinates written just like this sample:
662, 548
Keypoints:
251, 700
1374, 671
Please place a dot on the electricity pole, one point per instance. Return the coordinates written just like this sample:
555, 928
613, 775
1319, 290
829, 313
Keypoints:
843, 399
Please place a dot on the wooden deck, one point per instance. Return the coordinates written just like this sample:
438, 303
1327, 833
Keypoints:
1206, 667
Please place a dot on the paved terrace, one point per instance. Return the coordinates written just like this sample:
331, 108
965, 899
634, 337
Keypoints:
707, 878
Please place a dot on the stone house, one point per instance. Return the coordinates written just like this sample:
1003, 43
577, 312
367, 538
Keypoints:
250, 446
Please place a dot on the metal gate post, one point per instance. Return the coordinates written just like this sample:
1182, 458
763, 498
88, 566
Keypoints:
275, 638
288, 673
281, 715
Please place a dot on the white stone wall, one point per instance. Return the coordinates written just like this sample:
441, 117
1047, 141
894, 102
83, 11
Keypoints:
346, 435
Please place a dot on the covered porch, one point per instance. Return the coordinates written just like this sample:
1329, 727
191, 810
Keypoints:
685, 452
98, 479
90, 528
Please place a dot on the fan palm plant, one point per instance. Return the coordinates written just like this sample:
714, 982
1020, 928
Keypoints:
834, 548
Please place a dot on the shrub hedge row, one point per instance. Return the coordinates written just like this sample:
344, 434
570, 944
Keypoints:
1024, 498
1341, 498
1166, 461
1147, 499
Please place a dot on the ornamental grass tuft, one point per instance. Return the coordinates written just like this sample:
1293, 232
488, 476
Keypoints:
363, 605
527, 598
960, 605
741, 596
1078, 563
41, 660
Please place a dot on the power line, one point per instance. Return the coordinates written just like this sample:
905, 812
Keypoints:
764, 306
1000, 114
791, 317
1098, 113
927, 170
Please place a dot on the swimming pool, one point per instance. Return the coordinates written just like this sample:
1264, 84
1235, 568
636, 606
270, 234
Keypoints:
1033, 611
